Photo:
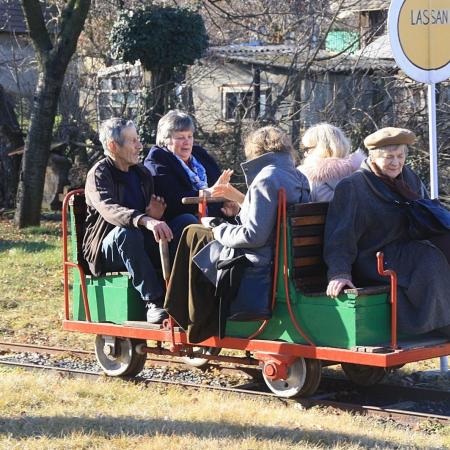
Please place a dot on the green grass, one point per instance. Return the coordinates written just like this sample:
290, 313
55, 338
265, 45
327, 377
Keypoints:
31, 295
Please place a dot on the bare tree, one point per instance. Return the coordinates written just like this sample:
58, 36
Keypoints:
54, 51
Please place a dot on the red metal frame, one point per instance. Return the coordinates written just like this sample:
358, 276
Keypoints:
391, 358
275, 268
202, 207
67, 264
265, 350
285, 269
393, 275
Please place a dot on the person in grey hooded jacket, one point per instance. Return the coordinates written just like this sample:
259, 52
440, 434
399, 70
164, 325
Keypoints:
269, 168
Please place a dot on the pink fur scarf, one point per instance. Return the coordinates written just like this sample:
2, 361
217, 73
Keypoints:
321, 170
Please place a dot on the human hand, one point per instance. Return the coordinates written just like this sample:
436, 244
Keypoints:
229, 192
335, 286
160, 230
156, 207
224, 178
230, 209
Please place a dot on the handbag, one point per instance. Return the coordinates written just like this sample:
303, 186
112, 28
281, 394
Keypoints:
426, 217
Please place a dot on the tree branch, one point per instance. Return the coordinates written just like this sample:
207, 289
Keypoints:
72, 21
36, 26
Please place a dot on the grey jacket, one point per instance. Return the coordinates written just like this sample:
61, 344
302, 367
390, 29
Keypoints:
360, 223
254, 236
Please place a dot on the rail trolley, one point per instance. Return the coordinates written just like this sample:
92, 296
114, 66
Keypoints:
307, 331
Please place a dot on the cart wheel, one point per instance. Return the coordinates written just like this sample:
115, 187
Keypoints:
118, 356
363, 375
303, 379
201, 362
313, 377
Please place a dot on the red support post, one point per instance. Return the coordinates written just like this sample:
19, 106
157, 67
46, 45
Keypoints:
67, 264
202, 207
393, 275
275, 269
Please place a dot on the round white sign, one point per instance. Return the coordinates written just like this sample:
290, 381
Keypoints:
419, 31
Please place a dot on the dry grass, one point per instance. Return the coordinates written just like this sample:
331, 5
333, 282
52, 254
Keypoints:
39, 411
31, 297
45, 411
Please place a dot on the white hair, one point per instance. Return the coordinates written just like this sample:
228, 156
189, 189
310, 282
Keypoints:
111, 130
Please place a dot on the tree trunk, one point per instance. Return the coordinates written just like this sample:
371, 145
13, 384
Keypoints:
53, 57
9, 170
156, 101
11, 138
37, 151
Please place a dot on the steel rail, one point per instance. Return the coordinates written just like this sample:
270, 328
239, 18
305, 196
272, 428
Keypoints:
240, 364
31, 348
404, 416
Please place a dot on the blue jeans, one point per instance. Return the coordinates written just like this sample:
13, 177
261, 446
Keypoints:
136, 251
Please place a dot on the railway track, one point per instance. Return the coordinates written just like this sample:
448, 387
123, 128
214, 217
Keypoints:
402, 404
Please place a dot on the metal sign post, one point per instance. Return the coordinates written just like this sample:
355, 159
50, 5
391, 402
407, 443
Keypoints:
434, 176
419, 32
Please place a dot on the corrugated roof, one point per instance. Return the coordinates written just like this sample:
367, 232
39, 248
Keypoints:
379, 48
12, 19
286, 56
362, 5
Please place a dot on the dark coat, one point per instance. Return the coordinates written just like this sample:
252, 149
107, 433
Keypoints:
360, 223
104, 193
172, 182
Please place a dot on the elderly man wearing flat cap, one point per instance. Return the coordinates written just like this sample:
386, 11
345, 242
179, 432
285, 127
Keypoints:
363, 219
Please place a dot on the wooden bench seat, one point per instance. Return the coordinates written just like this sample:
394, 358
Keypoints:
111, 297
307, 222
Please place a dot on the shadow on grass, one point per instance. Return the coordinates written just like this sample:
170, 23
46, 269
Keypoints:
29, 247
108, 427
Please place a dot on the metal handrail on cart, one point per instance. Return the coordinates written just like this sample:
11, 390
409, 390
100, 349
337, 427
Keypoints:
67, 263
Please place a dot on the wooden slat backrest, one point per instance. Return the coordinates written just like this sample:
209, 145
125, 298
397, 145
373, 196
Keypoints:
307, 221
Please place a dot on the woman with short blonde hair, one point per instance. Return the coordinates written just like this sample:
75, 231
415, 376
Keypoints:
327, 160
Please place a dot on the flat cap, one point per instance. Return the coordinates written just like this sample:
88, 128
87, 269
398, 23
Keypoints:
389, 136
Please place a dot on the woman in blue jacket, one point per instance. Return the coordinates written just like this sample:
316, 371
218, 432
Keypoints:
180, 167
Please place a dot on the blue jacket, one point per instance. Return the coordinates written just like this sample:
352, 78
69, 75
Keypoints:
172, 182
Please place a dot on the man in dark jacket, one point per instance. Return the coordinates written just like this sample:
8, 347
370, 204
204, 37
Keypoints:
123, 225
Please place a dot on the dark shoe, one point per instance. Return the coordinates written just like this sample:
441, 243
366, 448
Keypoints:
249, 316
155, 314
